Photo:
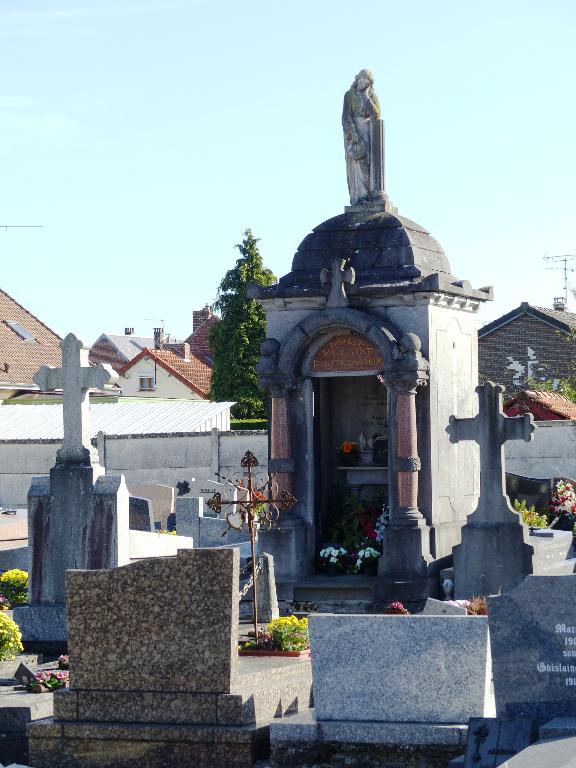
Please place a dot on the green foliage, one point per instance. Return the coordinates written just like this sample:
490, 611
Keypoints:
529, 515
237, 337
14, 586
10, 639
566, 387
248, 423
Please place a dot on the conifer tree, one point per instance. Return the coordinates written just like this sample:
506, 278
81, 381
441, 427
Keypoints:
236, 339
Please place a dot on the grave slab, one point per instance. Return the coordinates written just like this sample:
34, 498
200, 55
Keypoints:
141, 517
533, 640
434, 607
546, 754
302, 739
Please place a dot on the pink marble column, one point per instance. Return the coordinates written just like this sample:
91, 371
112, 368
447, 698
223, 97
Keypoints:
407, 460
281, 437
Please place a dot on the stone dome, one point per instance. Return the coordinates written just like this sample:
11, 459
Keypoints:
383, 247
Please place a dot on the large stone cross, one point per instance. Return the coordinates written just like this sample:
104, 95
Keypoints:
75, 379
491, 428
338, 276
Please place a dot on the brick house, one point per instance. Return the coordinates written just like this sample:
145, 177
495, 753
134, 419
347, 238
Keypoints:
26, 344
528, 343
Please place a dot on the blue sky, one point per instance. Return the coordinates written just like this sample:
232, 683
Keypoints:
147, 135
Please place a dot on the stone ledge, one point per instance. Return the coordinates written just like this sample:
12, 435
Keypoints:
558, 728
304, 727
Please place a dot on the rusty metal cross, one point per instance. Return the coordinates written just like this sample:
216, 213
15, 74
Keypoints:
255, 507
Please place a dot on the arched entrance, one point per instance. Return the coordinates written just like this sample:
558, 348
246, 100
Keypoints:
349, 436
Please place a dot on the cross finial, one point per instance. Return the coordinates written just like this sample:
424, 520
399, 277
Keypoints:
76, 378
338, 276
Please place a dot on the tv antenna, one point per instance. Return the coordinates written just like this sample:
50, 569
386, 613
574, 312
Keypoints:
564, 259
6, 227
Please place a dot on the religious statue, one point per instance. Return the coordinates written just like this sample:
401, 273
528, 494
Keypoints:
360, 105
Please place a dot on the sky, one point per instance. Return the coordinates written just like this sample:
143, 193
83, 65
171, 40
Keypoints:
145, 136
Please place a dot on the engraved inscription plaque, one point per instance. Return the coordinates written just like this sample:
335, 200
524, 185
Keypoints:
349, 352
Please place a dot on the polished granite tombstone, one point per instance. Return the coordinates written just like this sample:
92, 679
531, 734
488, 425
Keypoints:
155, 677
533, 639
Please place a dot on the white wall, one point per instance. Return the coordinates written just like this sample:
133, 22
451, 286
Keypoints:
552, 452
149, 459
166, 384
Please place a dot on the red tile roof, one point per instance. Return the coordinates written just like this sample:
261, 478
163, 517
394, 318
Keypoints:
194, 373
20, 359
199, 340
552, 401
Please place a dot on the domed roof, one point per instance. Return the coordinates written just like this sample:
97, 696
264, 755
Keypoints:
383, 247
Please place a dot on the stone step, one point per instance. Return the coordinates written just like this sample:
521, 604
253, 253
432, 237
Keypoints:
322, 589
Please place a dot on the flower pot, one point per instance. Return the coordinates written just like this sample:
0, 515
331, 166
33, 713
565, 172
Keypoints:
331, 569
370, 568
254, 652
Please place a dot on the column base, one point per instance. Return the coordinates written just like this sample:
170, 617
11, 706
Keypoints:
404, 565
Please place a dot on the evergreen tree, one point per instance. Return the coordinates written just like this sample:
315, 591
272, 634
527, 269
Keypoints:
237, 337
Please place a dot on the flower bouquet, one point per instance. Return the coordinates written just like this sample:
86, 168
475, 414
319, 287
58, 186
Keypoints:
396, 609
48, 682
333, 560
286, 636
348, 454
5, 604
63, 662
563, 506
367, 561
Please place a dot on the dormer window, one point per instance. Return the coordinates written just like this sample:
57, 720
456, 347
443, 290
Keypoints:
19, 329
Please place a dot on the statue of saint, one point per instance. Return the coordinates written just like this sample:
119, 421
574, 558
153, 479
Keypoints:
360, 104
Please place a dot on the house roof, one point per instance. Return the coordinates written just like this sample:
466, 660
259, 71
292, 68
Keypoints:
127, 346
199, 340
560, 319
552, 401
44, 422
20, 357
194, 373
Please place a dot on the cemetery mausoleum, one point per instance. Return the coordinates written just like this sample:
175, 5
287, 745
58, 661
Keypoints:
371, 339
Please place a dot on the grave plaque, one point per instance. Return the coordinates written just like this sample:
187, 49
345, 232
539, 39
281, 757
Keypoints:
349, 352
533, 639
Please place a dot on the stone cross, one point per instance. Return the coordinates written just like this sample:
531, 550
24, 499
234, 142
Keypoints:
491, 428
75, 379
338, 276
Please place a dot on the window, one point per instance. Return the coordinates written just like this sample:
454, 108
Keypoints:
20, 330
147, 384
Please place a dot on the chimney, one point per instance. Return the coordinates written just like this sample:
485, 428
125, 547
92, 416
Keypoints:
186, 351
200, 316
158, 338
128, 331
559, 304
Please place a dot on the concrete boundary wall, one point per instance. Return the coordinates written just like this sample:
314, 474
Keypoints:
158, 458
552, 452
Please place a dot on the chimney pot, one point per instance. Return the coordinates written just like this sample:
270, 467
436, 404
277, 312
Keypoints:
559, 303
158, 338
128, 331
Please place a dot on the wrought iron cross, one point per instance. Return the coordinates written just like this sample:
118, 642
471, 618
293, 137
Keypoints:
259, 506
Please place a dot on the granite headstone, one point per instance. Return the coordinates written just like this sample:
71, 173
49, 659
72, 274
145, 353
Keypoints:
395, 659
141, 517
201, 658
533, 639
